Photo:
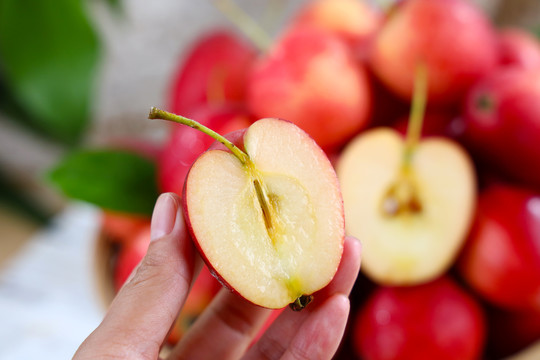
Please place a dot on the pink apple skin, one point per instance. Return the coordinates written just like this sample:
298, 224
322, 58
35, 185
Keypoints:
452, 38
186, 144
356, 22
436, 320
214, 72
501, 259
311, 79
518, 48
502, 123
130, 255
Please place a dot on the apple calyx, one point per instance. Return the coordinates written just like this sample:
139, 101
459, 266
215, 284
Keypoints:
267, 202
402, 196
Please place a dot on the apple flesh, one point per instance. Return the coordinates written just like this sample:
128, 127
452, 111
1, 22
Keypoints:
311, 78
185, 145
502, 258
271, 226
437, 320
452, 38
412, 223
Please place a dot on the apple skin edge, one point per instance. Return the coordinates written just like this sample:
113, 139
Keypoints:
237, 138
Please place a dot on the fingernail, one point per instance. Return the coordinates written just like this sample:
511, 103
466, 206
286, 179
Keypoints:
164, 216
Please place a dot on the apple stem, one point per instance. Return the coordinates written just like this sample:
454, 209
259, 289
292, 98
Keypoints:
156, 113
247, 25
416, 118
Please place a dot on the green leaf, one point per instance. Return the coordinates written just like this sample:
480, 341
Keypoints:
48, 57
116, 180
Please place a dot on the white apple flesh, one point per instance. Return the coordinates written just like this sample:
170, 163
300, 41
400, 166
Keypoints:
412, 224
271, 226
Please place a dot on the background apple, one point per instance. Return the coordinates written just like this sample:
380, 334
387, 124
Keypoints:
452, 38
437, 320
310, 78
519, 48
502, 258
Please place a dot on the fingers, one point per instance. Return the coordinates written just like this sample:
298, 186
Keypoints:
223, 331
319, 327
143, 311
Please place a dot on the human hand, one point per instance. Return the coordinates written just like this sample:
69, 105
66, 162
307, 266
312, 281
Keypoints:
142, 314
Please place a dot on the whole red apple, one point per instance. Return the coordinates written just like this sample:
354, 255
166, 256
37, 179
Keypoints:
501, 260
437, 320
310, 78
452, 38
213, 72
519, 48
502, 122
120, 227
186, 144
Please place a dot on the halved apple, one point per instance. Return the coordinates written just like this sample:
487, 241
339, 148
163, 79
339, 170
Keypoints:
412, 220
268, 221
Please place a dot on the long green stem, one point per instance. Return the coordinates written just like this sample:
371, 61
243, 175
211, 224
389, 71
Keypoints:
245, 23
416, 119
156, 113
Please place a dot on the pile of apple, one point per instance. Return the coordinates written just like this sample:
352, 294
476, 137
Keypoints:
445, 197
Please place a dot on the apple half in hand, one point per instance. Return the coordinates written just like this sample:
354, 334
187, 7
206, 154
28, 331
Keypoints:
268, 219
412, 220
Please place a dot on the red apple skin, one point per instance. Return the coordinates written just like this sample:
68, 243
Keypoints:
435, 124
502, 123
355, 22
501, 259
186, 144
437, 320
452, 38
518, 48
311, 79
130, 255
120, 227
511, 331
214, 71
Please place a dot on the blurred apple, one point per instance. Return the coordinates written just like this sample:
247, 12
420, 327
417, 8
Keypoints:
436, 123
214, 72
502, 122
186, 144
130, 255
355, 21
452, 38
501, 260
519, 48
437, 320
310, 78
121, 227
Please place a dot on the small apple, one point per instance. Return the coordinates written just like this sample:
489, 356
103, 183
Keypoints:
412, 216
356, 22
518, 48
310, 78
502, 127
453, 38
214, 72
120, 227
268, 220
130, 255
185, 145
502, 258
437, 320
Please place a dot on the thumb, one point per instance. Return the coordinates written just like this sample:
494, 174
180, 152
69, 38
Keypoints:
141, 315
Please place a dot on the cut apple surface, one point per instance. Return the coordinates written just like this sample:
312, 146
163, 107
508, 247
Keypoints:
413, 223
272, 228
